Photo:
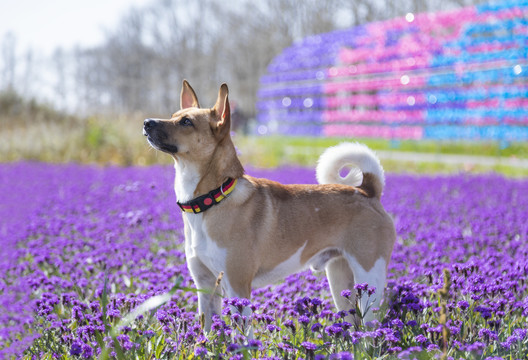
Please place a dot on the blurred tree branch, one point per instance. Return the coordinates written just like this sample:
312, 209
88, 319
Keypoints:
141, 64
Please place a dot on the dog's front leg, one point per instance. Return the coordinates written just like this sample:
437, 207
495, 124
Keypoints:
209, 300
238, 285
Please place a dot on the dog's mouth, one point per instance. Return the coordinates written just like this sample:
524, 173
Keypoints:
168, 148
157, 138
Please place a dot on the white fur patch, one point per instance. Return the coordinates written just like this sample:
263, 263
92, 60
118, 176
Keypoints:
353, 155
199, 244
374, 277
186, 181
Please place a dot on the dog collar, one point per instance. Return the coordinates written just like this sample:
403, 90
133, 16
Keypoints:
204, 202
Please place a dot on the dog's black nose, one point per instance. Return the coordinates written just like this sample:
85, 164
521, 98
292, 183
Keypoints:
148, 124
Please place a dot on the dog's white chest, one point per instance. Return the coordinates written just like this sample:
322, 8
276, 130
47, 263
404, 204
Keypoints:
199, 244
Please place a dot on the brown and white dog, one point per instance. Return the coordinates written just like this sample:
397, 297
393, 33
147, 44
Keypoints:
257, 231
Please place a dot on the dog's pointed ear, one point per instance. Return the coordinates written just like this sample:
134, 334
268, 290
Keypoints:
188, 96
222, 111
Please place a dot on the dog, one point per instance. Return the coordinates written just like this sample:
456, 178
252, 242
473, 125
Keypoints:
257, 231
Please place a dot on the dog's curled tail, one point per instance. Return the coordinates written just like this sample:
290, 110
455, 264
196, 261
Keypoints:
360, 166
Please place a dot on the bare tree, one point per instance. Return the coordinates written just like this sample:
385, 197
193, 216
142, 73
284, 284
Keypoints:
142, 63
9, 61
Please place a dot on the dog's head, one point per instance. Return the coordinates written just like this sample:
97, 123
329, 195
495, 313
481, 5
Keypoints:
192, 131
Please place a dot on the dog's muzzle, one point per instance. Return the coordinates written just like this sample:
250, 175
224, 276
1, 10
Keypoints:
153, 129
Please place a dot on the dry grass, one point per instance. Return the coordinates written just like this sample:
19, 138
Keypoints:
31, 131
102, 140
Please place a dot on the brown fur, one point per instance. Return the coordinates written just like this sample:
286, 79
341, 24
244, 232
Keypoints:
293, 210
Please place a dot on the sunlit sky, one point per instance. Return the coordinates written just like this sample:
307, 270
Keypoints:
46, 25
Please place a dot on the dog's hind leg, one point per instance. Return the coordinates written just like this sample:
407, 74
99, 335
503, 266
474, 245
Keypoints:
340, 277
209, 300
375, 277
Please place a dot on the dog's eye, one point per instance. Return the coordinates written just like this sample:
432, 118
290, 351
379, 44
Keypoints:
186, 122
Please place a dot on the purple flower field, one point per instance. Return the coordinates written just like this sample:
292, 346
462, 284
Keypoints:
82, 246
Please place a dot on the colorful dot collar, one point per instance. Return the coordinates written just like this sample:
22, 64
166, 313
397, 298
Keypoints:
204, 202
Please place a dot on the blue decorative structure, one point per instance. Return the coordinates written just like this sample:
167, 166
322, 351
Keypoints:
453, 75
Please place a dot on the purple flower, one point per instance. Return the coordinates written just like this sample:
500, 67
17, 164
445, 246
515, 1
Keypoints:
125, 342
342, 356
304, 320
326, 314
487, 334
309, 346
432, 347
255, 343
397, 323
476, 347
520, 333
273, 328
463, 304
316, 302
316, 327
76, 348
238, 303
285, 347
420, 339
394, 350
290, 324
346, 293
485, 312
89, 244
341, 314
162, 316
87, 351
232, 347
405, 353
333, 330
361, 286
200, 351
148, 333
77, 313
